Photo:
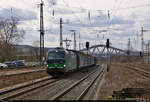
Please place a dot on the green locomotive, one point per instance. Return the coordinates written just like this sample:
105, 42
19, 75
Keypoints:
60, 61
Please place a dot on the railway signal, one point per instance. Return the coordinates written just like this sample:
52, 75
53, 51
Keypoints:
107, 43
87, 45
108, 54
141, 55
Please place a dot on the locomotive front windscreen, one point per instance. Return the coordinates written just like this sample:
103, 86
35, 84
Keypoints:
56, 55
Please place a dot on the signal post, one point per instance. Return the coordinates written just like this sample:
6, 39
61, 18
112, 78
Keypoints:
108, 55
87, 47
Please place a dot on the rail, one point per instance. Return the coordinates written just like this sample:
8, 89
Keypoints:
25, 88
65, 91
25, 72
139, 71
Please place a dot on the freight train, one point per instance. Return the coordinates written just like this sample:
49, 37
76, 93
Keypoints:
61, 61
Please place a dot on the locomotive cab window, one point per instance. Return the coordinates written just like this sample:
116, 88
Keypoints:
56, 55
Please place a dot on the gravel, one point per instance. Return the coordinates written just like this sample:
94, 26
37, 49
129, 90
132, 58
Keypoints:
46, 93
120, 77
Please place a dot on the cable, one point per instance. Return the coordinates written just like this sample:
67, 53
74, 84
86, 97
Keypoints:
89, 12
73, 12
17, 16
137, 6
109, 21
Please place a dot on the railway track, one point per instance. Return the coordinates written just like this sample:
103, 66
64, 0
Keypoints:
146, 68
56, 86
26, 72
138, 70
141, 71
26, 88
66, 93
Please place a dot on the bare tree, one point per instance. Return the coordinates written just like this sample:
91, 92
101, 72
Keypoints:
9, 36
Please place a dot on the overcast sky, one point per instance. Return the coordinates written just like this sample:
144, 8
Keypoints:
124, 21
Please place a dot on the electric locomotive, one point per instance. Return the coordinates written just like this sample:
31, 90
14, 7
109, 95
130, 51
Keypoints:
61, 61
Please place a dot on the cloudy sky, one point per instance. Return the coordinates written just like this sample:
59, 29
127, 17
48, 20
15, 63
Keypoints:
88, 17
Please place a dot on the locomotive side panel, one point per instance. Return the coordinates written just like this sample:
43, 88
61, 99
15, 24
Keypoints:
82, 60
73, 61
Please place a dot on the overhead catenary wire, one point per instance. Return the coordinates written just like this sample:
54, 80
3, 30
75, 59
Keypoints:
73, 13
77, 17
13, 15
113, 9
115, 12
110, 13
20, 19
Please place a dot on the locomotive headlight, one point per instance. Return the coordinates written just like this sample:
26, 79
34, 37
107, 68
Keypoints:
64, 65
